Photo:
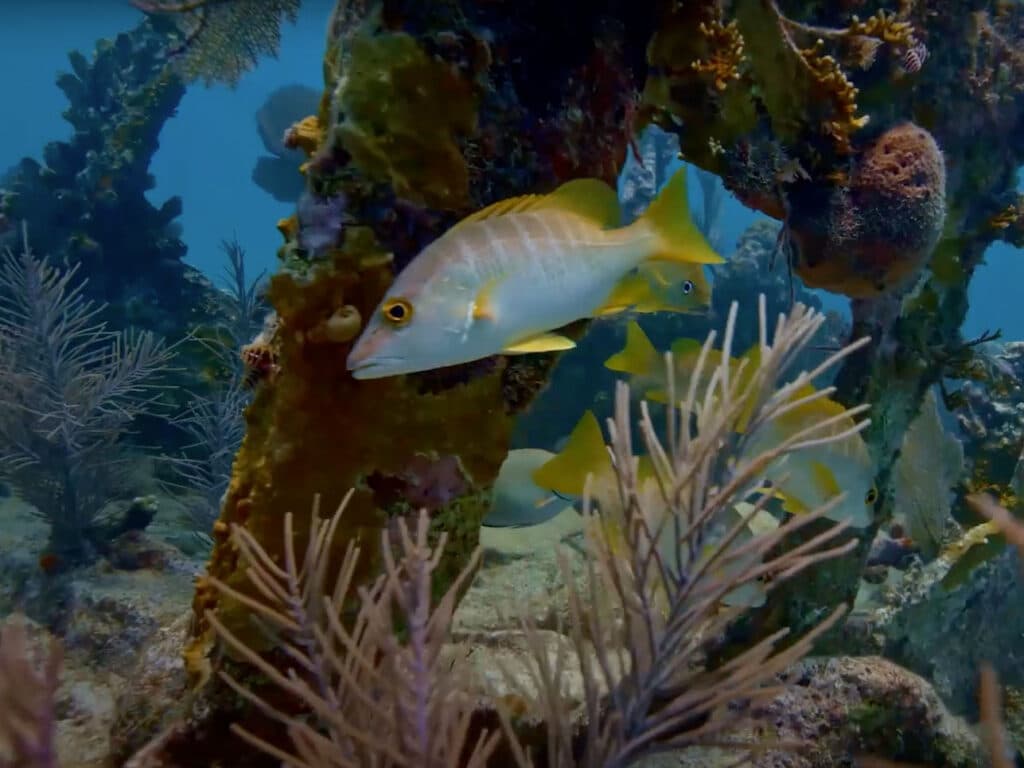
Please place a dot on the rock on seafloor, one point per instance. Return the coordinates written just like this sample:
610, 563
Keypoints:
847, 707
108, 623
944, 631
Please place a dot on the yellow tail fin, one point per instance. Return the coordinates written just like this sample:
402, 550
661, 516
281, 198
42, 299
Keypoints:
638, 357
584, 454
677, 235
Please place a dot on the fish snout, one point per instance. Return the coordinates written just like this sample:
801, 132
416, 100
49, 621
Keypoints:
369, 356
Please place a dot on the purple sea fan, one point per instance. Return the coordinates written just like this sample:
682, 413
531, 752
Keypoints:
321, 220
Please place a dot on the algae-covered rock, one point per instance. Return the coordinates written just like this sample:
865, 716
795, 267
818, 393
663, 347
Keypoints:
403, 113
843, 708
945, 619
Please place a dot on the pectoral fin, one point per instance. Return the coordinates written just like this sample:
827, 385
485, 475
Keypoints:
483, 304
543, 342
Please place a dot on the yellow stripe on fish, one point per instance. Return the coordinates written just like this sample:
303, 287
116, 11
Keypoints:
507, 277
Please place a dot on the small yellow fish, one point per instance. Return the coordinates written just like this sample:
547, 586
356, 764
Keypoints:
645, 365
585, 457
505, 278
585, 454
803, 480
811, 477
661, 287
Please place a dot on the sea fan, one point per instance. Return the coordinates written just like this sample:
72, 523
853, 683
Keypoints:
215, 426
929, 466
220, 40
69, 391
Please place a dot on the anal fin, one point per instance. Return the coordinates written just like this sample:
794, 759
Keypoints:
542, 342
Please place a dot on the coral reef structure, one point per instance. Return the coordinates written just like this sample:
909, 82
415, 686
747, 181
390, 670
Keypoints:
76, 203
388, 172
813, 115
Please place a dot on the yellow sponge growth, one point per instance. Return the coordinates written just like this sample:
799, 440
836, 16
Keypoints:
404, 112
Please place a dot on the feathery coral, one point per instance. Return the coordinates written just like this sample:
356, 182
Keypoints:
654, 568
220, 40
70, 390
378, 697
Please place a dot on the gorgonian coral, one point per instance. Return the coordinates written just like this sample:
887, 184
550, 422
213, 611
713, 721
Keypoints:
220, 40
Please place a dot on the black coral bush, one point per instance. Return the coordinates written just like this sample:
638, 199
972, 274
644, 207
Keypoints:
69, 390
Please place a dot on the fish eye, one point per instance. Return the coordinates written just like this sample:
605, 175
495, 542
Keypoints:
687, 286
871, 496
397, 311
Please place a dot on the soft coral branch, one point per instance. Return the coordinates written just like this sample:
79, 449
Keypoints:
28, 685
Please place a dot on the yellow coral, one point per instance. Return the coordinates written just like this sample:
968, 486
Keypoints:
799, 87
693, 57
1011, 215
305, 135
886, 27
839, 91
726, 45
289, 227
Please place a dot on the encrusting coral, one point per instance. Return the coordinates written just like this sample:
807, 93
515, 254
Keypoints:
392, 126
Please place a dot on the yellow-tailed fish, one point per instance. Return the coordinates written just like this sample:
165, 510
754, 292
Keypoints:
505, 278
803, 480
585, 454
645, 365
810, 477
661, 287
516, 500
751, 594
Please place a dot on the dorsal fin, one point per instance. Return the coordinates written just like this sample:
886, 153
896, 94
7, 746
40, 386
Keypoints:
590, 198
501, 208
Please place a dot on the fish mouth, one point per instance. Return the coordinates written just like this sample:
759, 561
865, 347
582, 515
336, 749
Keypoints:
376, 367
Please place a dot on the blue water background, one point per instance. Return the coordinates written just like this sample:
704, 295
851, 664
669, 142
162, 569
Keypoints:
208, 149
